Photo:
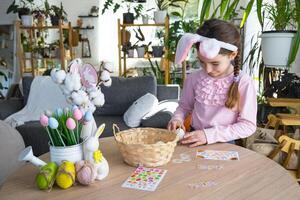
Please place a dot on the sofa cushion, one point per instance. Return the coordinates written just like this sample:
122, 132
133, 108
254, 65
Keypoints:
139, 109
9, 107
109, 121
123, 92
161, 115
159, 120
26, 84
36, 136
11, 144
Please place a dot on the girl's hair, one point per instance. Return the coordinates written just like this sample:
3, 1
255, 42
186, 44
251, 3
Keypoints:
225, 32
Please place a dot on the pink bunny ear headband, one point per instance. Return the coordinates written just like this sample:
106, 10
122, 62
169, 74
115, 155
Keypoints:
209, 47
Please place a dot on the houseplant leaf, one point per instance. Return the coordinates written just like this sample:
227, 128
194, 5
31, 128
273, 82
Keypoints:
295, 48
204, 10
246, 12
231, 10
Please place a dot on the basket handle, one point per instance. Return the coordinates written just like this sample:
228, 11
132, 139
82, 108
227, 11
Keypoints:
115, 126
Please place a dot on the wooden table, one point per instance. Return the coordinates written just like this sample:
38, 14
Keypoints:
252, 177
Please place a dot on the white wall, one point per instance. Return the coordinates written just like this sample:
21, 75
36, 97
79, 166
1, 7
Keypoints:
4, 18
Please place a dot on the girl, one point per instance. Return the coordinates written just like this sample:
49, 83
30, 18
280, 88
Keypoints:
220, 98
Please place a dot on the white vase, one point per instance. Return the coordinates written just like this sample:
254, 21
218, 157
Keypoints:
140, 52
130, 53
72, 153
276, 48
145, 19
159, 16
27, 20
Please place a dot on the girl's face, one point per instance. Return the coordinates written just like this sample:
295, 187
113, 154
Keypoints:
218, 66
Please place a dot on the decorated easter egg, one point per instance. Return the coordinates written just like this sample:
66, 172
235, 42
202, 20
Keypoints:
180, 132
85, 172
65, 177
46, 177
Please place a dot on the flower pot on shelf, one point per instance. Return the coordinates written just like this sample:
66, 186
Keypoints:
72, 153
54, 20
128, 18
157, 51
27, 20
145, 19
140, 52
276, 47
159, 16
130, 53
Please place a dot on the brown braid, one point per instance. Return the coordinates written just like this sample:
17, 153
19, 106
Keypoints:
226, 32
233, 92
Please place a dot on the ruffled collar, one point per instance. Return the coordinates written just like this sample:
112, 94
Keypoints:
213, 91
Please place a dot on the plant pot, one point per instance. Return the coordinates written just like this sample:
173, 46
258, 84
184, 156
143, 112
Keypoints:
41, 21
145, 19
27, 20
128, 18
125, 36
276, 47
130, 53
157, 51
140, 52
72, 153
54, 20
159, 16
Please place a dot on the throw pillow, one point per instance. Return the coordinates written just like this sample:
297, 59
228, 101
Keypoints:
139, 109
123, 92
161, 115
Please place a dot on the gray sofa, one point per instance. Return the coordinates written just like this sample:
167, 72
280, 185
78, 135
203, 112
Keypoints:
118, 98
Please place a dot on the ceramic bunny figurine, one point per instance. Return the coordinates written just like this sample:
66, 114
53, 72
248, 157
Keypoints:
92, 153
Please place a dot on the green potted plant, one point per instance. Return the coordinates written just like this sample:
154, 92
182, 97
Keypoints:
57, 13
163, 5
158, 50
24, 10
276, 44
146, 16
128, 17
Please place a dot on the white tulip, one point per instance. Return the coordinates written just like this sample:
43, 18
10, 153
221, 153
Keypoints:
60, 76
105, 76
107, 83
52, 74
109, 66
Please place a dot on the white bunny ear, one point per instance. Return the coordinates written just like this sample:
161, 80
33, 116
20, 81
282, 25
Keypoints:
100, 130
209, 48
184, 45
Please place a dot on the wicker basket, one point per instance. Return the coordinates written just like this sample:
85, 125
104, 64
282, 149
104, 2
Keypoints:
149, 147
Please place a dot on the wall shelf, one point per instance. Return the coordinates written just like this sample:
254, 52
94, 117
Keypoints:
33, 68
83, 28
88, 16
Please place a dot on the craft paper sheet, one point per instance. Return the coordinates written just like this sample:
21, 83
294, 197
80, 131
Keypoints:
145, 179
218, 155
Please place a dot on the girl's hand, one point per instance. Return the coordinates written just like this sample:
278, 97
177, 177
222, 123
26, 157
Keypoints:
194, 138
174, 124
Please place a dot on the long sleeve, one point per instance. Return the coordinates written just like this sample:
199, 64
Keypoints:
246, 121
187, 100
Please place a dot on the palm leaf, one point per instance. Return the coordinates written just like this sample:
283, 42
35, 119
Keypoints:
246, 13
295, 48
231, 10
258, 11
223, 6
204, 10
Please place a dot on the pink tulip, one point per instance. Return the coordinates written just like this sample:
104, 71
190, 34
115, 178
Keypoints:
70, 124
44, 120
77, 114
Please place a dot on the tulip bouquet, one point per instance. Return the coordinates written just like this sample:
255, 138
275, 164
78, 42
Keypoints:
64, 125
